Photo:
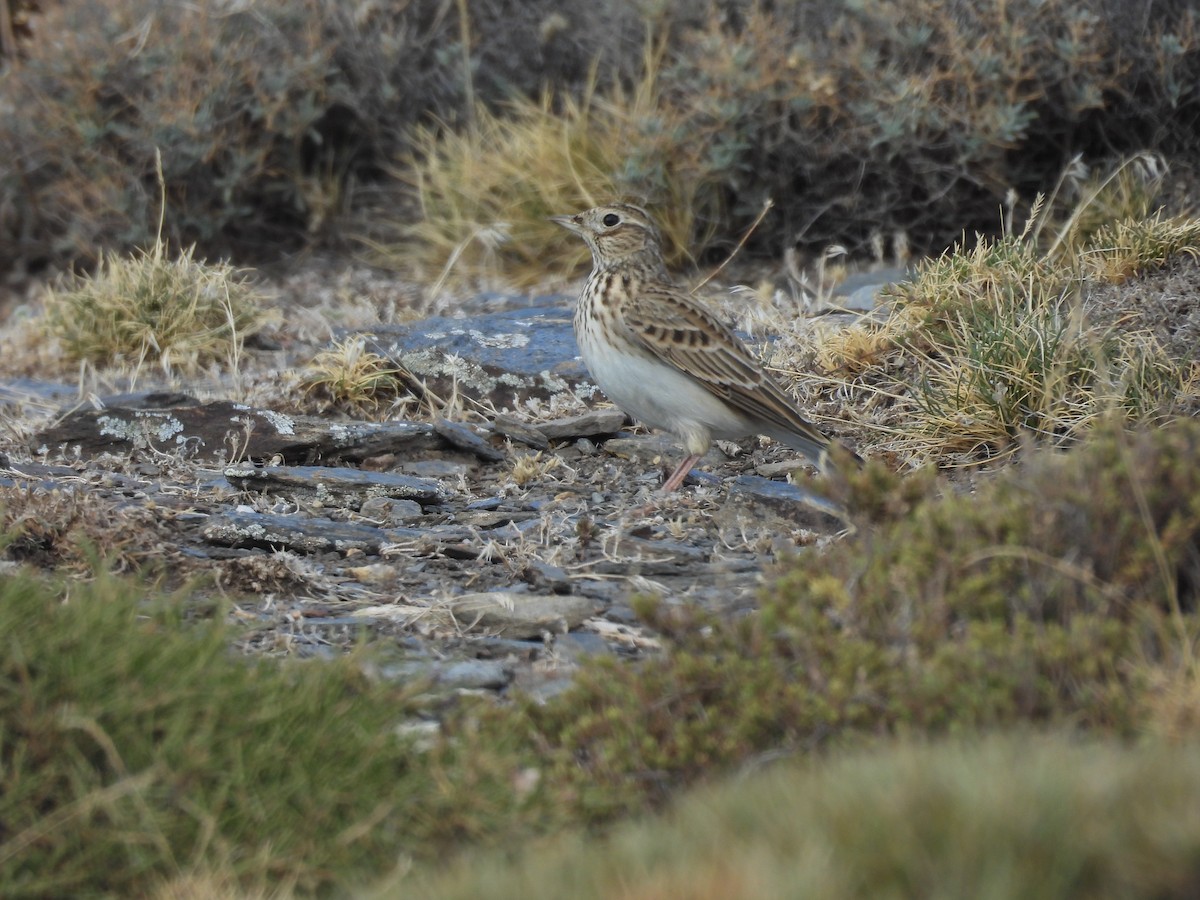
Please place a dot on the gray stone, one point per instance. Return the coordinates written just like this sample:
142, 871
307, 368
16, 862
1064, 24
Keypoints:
544, 576
445, 469
475, 674
513, 614
149, 400
223, 430
490, 518
461, 436
391, 510
502, 358
527, 434
348, 487
19, 391
580, 644
861, 291
485, 503
313, 534
784, 467
752, 495
589, 424
654, 449
466, 674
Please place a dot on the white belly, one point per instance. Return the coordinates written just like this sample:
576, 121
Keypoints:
661, 396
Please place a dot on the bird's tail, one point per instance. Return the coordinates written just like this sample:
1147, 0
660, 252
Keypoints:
819, 448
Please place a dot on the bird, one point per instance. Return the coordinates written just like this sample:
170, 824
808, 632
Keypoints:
663, 358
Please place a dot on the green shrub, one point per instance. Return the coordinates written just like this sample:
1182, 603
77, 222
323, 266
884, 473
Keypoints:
134, 747
920, 116
245, 108
1019, 818
267, 116
856, 118
916, 120
1043, 597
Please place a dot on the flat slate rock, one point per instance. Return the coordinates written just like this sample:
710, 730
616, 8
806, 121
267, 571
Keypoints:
524, 432
312, 534
589, 424
514, 614
503, 358
49, 477
148, 400
345, 487
463, 674
792, 502
227, 430
862, 291
462, 437
34, 390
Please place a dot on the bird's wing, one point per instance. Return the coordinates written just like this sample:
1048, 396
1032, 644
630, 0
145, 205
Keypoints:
679, 330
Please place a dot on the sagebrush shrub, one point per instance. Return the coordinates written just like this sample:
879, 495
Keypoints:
266, 115
920, 115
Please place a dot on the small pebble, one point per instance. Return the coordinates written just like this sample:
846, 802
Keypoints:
390, 510
487, 503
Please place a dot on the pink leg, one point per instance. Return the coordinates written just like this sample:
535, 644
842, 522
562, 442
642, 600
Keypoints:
673, 483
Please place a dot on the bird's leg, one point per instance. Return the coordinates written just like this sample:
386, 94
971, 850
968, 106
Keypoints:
676, 480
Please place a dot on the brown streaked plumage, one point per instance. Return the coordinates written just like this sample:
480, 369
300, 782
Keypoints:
662, 357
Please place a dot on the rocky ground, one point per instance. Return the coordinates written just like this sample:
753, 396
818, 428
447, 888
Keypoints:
477, 551
488, 530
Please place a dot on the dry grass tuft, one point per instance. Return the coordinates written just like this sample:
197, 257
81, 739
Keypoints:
994, 343
533, 467
486, 191
355, 380
1085, 200
65, 529
179, 313
1127, 248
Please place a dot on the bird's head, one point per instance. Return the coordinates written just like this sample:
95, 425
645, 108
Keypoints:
617, 234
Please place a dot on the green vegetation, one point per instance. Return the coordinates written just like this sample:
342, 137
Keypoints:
1047, 596
269, 119
772, 102
134, 747
258, 115
1060, 594
1021, 817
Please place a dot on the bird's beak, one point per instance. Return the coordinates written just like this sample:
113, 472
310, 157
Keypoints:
571, 223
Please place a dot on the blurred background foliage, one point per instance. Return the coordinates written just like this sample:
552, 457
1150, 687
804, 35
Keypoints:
287, 124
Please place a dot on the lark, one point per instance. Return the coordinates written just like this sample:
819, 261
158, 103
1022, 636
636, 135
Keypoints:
662, 357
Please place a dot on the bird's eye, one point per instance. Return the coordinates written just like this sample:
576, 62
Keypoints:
610, 220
